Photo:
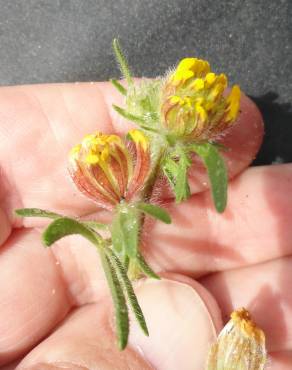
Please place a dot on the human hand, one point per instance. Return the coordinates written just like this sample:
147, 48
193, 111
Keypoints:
241, 256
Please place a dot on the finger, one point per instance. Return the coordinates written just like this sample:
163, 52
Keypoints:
5, 227
38, 126
255, 227
87, 340
84, 341
33, 161
32, 294
280, 361
11, 366
265, 290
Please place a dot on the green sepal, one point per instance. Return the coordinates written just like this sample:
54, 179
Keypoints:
36, 212
125, 231
145, 267
119, 86
217, 172
119, 300
65, 226
155, 211
128, 287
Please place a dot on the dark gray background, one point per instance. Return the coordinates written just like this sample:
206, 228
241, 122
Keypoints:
67, 40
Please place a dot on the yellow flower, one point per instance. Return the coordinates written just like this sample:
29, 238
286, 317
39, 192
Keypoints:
105, 169
194, 103
240, 345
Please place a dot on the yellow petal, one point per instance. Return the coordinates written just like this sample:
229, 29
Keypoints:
198, 84
186, 64
210, 77
201, 112
139, 138
74, 152
182, 75
92, 159
201, 68
233, 101
176, 99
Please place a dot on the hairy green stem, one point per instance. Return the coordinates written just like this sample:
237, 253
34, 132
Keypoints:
159, 148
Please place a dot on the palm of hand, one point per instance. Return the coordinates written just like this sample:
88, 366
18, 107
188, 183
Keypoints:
38, 126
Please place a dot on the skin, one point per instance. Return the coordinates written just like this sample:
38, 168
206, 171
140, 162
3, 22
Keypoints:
55, 309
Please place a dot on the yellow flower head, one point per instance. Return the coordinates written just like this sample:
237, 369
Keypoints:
194, 105
104, 169
240, 345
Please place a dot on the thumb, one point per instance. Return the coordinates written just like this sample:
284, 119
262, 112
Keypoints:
183, 321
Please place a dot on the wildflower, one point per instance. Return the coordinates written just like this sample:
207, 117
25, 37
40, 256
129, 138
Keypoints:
105, 170
240, 345
194, 106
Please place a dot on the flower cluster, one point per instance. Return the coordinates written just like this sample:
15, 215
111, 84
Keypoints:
194, 105
105, 169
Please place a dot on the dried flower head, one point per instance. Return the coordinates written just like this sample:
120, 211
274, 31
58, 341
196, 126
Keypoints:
240, 345
105, 170
193, 102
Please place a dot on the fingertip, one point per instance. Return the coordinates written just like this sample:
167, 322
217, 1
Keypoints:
183, 319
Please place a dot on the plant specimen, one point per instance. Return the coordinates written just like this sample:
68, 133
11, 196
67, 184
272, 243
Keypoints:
178, 117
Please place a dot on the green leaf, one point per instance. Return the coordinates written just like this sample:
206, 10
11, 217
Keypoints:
150, 129
36, 212
170, 169
182, 189
118, 236
128, 116
121, 309
125, 281
65, 226
217, 172
95, 225
125, 231
130, 224
145, 267
123, 64
119, 86
176, 171
155, 211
